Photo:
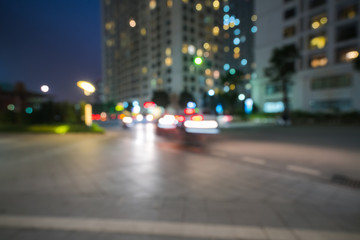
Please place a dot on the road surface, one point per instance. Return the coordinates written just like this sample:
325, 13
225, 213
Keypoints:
246, 183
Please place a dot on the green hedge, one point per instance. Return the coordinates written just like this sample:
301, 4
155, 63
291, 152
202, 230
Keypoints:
323, 118
57, 129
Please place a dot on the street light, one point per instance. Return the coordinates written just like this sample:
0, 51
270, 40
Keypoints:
87, 87
44, 88
88, 90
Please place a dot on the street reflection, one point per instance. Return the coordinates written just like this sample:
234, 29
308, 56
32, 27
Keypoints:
145, 134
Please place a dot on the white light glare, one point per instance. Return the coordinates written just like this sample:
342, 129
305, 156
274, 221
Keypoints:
44, 88
241, 97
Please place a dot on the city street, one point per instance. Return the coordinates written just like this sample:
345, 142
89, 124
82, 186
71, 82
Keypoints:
253, 182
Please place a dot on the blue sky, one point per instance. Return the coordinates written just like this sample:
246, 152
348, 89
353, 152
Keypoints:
54, 42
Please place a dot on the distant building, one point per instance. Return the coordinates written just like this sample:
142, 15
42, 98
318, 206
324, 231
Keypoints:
152, 45
99, 93
327, 32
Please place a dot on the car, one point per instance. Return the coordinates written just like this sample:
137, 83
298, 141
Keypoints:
166, 125
199, 124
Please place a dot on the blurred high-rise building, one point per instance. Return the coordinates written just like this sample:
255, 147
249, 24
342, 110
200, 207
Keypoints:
327, 34
153, 45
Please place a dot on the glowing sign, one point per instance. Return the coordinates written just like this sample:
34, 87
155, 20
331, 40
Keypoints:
189, 111
149, 104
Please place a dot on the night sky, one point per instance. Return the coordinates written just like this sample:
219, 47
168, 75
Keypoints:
53, 42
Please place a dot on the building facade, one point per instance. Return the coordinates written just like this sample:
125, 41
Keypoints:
153, 45
326, 33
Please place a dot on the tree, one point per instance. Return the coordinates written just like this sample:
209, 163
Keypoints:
161, 98
235, 82
184, 98
281, 69
236, 78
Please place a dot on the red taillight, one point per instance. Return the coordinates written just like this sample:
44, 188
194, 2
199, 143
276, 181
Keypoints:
149, 104
189, 111
96, 117
227, 118
180, 118
197, 118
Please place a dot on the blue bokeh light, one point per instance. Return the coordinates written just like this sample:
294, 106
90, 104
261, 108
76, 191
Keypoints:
236, 41
219, 109
226, 66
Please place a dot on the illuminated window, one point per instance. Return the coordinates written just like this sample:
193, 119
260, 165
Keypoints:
169, 3
215, 48
143, 31
132, 23
236, 41
184, 48
152, 4
198, 7
253, 18
318, 61
317, 42
216, 31
216, 4
109, 26
109, 42
168, 61
168, 51
209, 82
289, 31
206, 46
346, 54
318, 21
207, 72
348, 12
191, 49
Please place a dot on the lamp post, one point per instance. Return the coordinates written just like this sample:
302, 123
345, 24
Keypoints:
88, 90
